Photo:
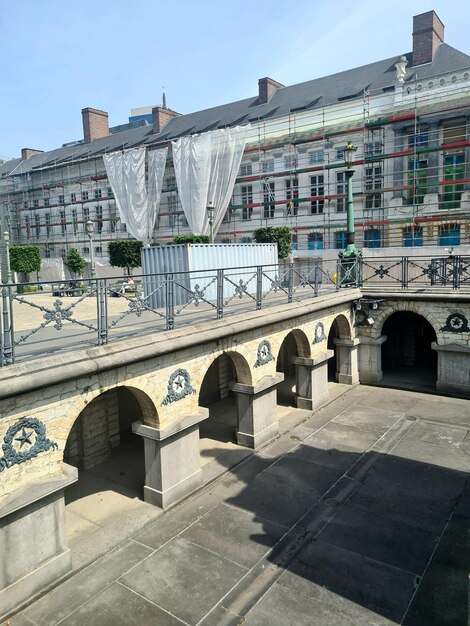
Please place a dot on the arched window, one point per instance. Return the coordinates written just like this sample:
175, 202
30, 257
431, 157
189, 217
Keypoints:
412, 236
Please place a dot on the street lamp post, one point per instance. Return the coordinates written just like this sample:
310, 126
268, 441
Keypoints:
6, 238
210, 215
89, 230
349, 256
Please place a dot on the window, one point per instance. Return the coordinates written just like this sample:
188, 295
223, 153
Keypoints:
449, 235
86, 250
63, 253
27, 224
417, 176
99, 250
61, 199
47, 252
36, 204
373, 238
110, 193
268, 200
295, 242
317, 156
339, 154
86, 214
341, 239
341, 188
420, 140
315, 241
46, 201
373, 180
454, 170
73, 197
99, 218
246, 169
225, 240
84, 196
247, 199
97, 194
170, 183
172, 203
25, 205
290, 161
267, 166
412, 236
48, 224
317, 188
373, 147
292, 195
75, 221
112, 222
245, 240
63, 224
37, 225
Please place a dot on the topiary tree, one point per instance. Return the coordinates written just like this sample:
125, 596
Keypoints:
125, 254
275, 234
25, 259
75, 262
191, 239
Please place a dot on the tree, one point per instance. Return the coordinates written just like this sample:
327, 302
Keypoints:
191, 239
25, 259
125, 254
75, 262
275, 234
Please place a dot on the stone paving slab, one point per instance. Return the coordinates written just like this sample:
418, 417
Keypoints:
326, 525
183, 578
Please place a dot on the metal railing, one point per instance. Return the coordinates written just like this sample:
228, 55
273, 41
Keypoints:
38, 318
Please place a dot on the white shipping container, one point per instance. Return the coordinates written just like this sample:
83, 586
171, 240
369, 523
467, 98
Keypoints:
202, 260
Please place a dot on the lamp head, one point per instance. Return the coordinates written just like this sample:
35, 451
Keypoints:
6, 236
349, 152
210, 210
89, 227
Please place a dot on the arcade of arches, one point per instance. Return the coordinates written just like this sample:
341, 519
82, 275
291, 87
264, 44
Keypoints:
147, 424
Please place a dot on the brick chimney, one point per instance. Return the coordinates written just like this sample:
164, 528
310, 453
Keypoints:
95, 124
428, 34
266, 88
28, 152
161, 116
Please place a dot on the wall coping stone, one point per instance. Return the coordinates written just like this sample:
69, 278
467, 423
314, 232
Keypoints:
34, 491
162, 432
450, 347
318, 359
265, 383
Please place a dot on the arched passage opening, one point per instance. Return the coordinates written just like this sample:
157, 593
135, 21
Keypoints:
295, 344
218, 432
407, 357
109, 458
340, 330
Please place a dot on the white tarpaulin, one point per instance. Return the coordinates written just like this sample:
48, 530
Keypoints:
206, 167
137, 207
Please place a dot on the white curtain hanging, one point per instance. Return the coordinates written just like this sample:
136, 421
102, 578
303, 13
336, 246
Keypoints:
137, 207
206, 167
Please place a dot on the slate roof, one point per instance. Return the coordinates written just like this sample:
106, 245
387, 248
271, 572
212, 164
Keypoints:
303, 96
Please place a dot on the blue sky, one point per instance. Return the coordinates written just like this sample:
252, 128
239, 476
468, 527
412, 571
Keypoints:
59, 56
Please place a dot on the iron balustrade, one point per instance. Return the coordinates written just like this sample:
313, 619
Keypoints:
38, 318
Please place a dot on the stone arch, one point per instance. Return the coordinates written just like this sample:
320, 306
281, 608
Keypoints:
103, 407
409, 307
407, 355
342, 364
295, 344
226, 369
342, 327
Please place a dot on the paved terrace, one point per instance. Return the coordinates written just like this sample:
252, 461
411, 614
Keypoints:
359, 515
